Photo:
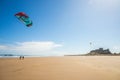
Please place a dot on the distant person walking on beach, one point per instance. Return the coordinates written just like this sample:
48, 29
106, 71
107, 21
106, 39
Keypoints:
22, 57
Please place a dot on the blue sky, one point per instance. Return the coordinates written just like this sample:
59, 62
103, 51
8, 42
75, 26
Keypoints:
59, 26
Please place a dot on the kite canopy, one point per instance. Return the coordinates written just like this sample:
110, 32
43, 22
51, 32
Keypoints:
24, 18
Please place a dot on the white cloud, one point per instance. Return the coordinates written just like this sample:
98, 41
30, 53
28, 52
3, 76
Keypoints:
40, 46
3, 47
104, 4
31, 47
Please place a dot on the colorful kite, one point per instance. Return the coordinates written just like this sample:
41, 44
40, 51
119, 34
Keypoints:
24, 18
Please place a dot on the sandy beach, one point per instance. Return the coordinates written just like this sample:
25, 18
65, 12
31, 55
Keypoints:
61, 68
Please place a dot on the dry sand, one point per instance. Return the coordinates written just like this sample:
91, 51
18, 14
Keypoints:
61, 68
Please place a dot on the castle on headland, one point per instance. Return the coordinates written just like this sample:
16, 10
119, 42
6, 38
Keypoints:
100, 51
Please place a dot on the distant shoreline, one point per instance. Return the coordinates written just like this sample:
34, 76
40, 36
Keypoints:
95, 55
28, 56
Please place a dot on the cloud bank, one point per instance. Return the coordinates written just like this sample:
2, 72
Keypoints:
31, 48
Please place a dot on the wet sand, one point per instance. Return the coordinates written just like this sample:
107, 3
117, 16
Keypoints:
61, 68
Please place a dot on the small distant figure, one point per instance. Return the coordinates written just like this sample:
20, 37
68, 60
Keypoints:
21, 57
90, 43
